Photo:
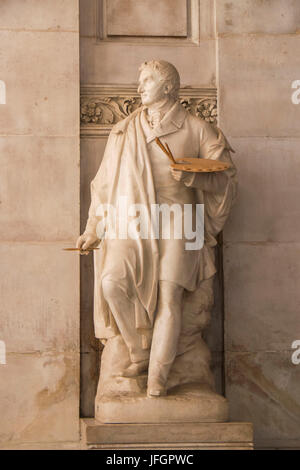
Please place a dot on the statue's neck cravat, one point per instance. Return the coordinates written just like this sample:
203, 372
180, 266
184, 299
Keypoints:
154, 117
156, 114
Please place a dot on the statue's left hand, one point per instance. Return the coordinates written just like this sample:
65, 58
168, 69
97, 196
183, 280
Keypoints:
85, 241
180, 175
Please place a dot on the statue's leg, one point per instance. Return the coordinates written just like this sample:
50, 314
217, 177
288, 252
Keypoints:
123, 310
166, 331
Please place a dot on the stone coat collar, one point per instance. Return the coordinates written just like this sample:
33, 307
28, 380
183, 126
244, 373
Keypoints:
171, 122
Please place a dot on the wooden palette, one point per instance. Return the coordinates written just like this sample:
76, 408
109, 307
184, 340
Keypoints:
197, 165
79, 249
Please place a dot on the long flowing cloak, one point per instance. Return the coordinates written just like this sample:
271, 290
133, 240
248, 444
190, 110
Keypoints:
126, 170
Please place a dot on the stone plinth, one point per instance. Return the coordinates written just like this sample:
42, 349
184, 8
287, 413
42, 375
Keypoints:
185, 403
202, 436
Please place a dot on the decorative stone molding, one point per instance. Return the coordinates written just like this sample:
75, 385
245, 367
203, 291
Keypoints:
103, 106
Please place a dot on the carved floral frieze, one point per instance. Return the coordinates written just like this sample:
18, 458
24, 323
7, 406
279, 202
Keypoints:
205, 108
102, 107
106, 110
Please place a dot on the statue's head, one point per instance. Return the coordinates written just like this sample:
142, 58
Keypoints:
158, 80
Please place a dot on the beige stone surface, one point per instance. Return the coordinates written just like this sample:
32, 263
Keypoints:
186, 403
271, 213
41, 100
38, 312
39, 146
258, 57
167, 435
261, 291
259, 108
258, 16
41, 446
255, 87
263, 387
39, 396
261, 263
103, 64
44, 15
88, 17
48, 211
131, 18
207, 20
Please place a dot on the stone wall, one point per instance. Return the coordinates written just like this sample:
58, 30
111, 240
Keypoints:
256, 61
258, 56
39, 194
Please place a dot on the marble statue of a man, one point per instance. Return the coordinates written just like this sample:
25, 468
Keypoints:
142, 283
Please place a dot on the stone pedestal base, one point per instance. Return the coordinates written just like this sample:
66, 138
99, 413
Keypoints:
183, 404
202, 436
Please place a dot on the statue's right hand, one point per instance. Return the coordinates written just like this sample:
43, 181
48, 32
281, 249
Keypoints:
86, 240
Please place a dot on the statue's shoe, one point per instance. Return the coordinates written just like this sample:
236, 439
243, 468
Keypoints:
135, 369
156, 389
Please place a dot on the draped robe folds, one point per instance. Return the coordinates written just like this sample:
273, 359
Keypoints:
126, 171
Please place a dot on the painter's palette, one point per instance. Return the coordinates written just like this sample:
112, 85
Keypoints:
80, 249
197, 165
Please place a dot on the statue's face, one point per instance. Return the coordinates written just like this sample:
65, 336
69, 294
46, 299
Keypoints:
151, 87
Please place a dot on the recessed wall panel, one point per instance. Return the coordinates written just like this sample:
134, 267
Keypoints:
148, 18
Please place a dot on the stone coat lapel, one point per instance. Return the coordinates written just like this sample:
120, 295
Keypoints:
171, 122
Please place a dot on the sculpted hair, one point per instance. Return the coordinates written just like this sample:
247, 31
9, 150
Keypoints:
167, 72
